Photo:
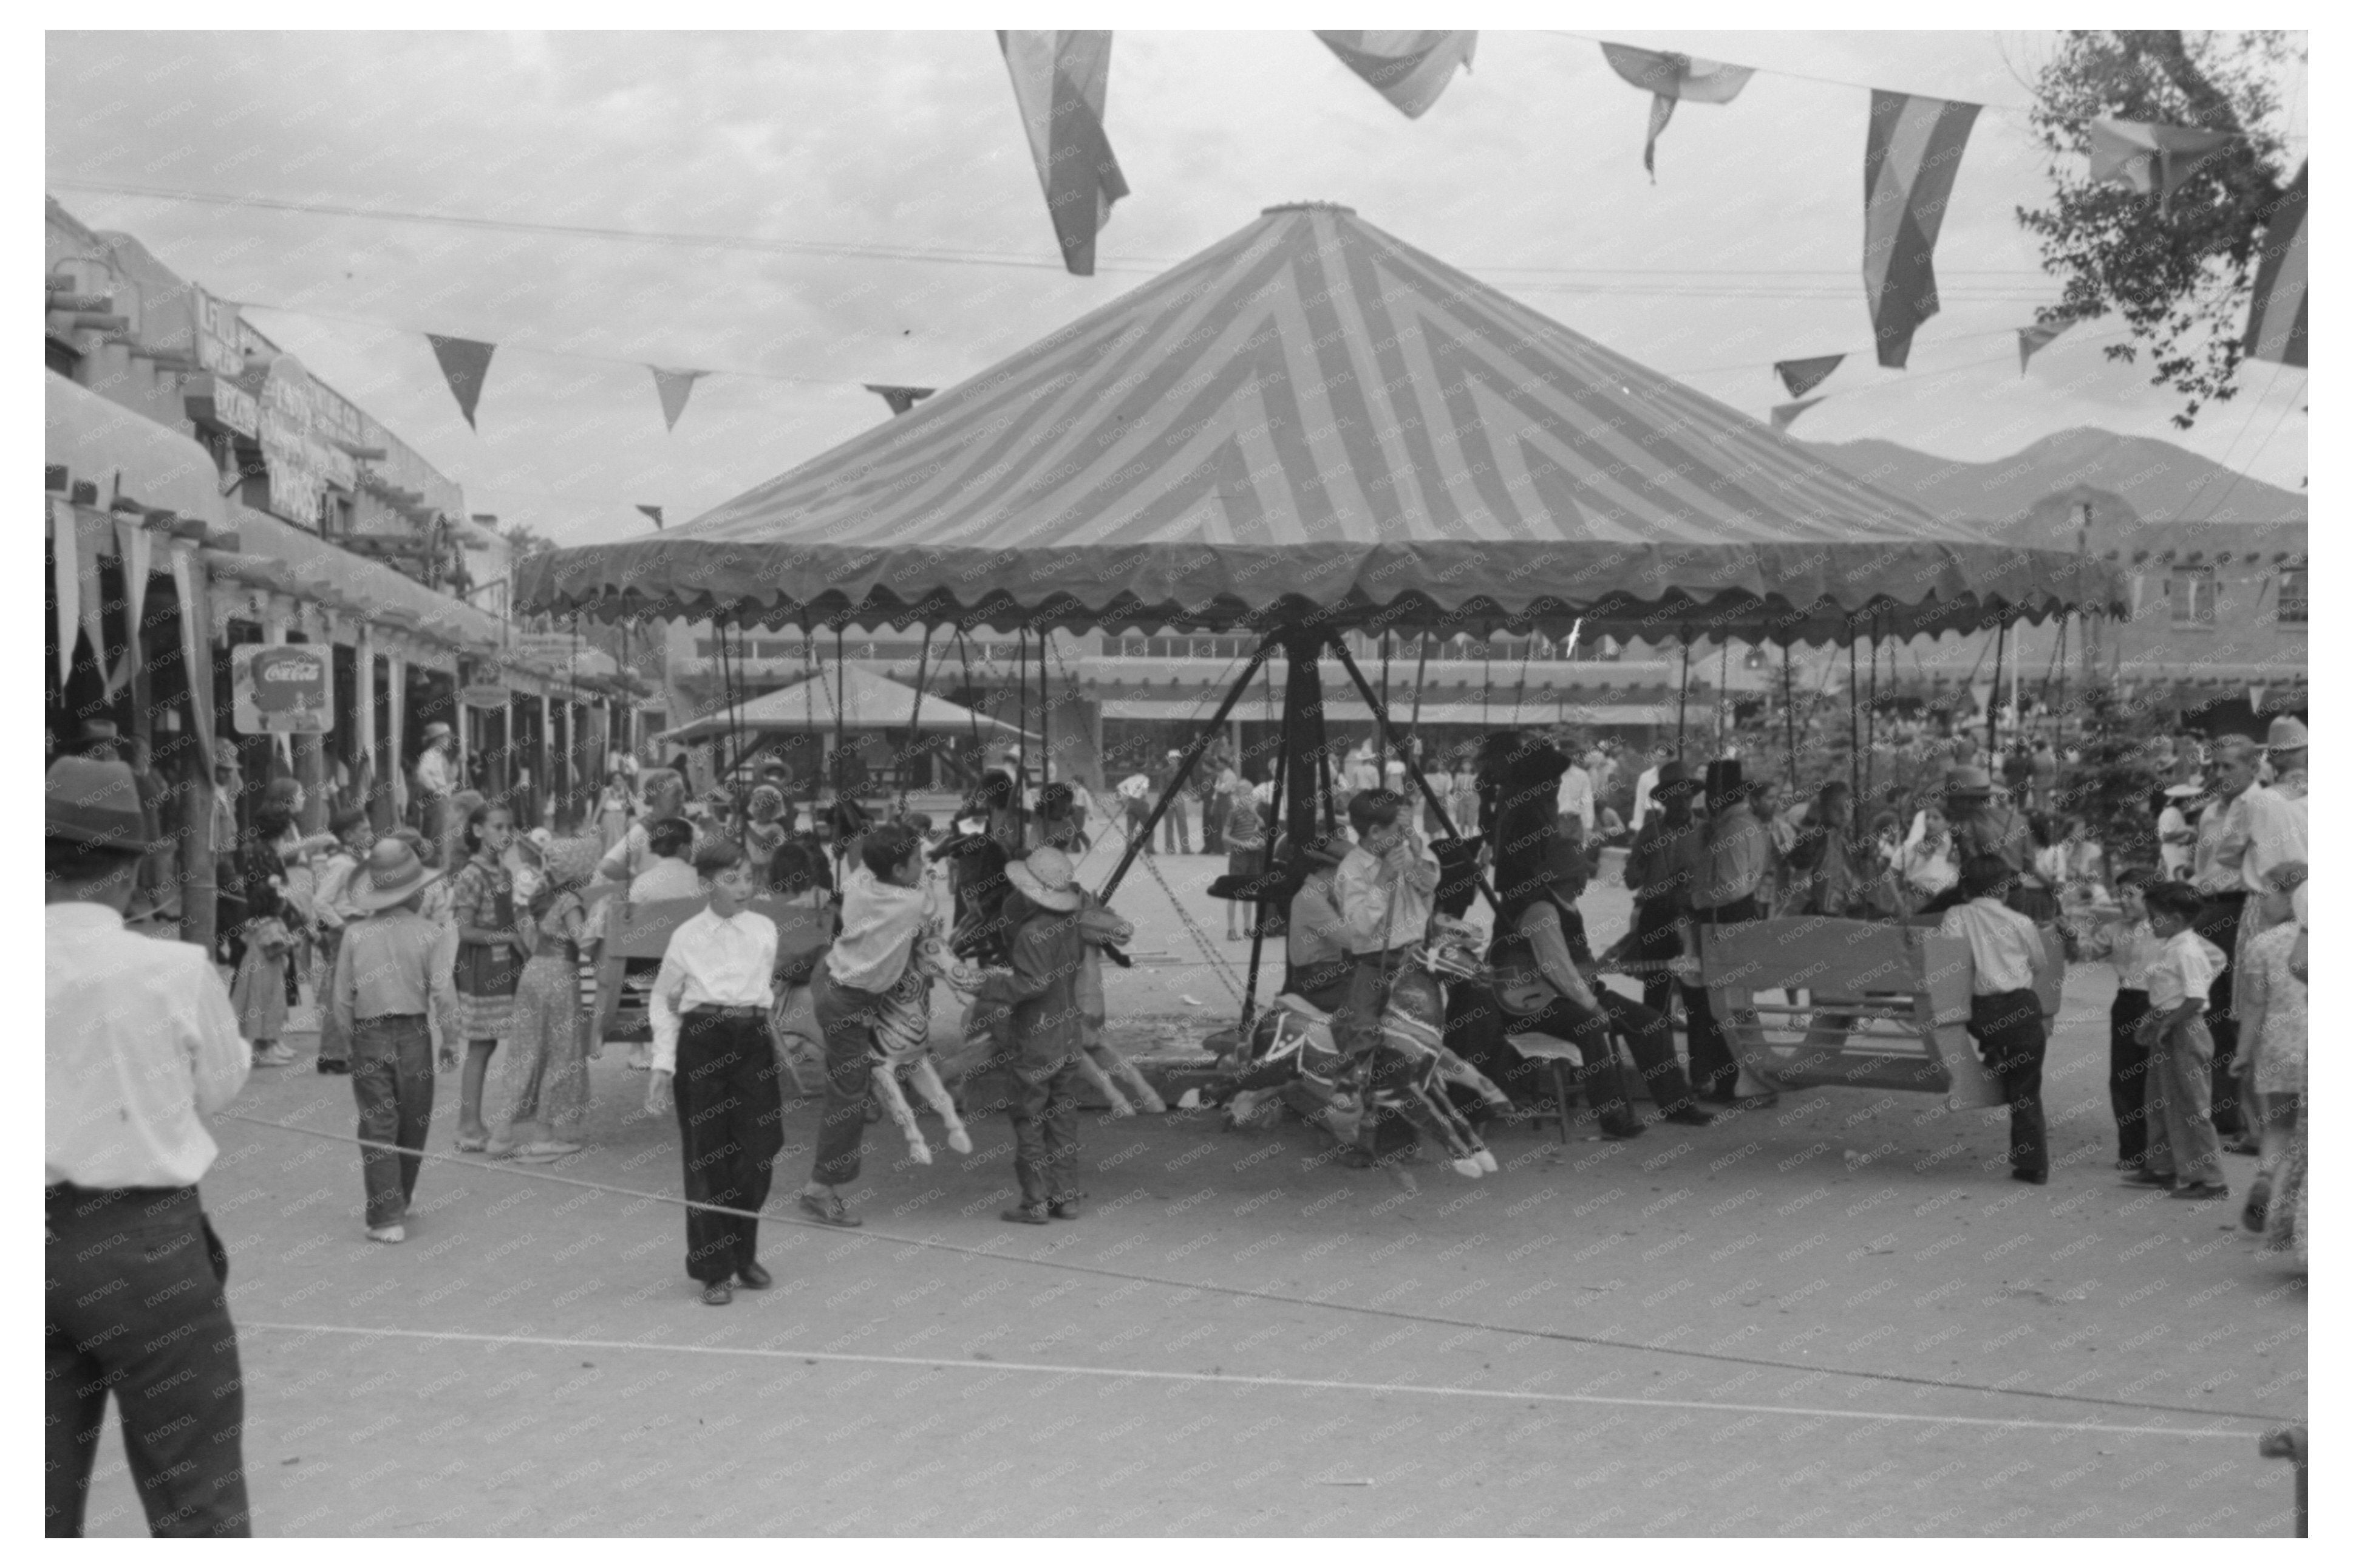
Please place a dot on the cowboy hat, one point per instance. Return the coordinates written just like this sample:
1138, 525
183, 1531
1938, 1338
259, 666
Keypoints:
1674, 778
393, 876
1046, 879
1968, 781
87, 800
2287, 734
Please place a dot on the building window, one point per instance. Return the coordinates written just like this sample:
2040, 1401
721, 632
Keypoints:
2191, 589
2292, 604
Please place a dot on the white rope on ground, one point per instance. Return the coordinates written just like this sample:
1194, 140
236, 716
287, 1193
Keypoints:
537, 1173
1257, 1381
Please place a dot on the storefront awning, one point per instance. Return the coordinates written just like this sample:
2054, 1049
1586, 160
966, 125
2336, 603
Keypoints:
122, 452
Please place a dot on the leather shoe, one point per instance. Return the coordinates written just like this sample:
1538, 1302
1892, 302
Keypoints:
2146, 1179
1068, 1209
1692, 1116
754, 1277
829, 1210
1024, 1215
718, 1293
1618, 1132
2031, 1178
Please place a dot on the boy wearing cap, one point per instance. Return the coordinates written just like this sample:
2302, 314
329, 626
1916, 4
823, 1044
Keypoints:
140, 1045
392, 975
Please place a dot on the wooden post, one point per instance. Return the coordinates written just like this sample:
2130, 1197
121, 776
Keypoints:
363, 720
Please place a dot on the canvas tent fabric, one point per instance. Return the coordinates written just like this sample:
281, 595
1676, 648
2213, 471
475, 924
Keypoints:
1312, 422
868, 701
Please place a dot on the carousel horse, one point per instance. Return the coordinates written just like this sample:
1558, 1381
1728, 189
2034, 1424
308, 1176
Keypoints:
902, 1043
1401, 1083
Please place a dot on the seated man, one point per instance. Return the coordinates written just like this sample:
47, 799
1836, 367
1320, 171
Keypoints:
669, 873
1568, 1005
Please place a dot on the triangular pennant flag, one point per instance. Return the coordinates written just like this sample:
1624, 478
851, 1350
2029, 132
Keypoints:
464, 364
901, 398
674, 387
1059, 80
1785, 414
2277, 315
2033, 340
1981, 696
652, 512
91, 536
2255, 699
1669, 77
1802, 375
2158, 158
65, 552
1910, 156
134, 547
1410, 68
196, 637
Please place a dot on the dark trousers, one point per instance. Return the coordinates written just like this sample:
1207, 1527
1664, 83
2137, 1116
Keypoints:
334, 1045
730, 1128
1042, 1101
843, 1016
392, 1079
1651, 1040
2128, 1075
2008, 1028
136, 1305
2218, 923
1657, 939
1715, 1071
1357, 1022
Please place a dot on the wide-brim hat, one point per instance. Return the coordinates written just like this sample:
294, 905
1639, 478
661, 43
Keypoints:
1968, 781
435, 730
1047, 879
2190, 790
87, 800
2287, 734
1674, 778
1324, 849
393, 876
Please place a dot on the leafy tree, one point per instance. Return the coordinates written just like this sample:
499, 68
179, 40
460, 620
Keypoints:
2178, 271
2111, 786
523, 543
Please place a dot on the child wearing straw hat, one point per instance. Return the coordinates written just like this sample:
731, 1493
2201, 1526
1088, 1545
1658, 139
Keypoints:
1041, 913
543, 1069
392, 974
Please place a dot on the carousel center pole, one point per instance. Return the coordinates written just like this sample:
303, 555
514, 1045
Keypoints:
1194, 749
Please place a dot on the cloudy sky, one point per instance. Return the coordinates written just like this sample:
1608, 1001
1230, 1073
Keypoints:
896, 232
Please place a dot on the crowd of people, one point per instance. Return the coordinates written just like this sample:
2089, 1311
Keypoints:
465, 952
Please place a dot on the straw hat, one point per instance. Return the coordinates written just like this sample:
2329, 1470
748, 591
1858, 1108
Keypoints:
2287, 734
435, 731
1047, 879
2188, 791
393, 876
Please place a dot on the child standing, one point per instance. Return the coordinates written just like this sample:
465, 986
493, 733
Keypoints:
391, 975
711, 1005
884, 908
2271, 1002
2005, 1014
354, 838
543, 1077
2124, 938
2184, 1151
1041, 917
491, 945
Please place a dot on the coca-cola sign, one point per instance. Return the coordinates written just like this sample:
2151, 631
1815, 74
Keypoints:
285, 688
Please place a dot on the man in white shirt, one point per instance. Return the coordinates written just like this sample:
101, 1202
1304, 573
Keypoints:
2245, 832
1575, 797
437, 780
141, 1045
1644, 783
709, 1012
2005, 1013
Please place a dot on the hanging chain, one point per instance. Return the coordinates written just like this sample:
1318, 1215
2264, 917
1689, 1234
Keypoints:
1218, 965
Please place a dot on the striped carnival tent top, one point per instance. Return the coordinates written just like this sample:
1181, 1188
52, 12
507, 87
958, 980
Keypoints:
1311, 420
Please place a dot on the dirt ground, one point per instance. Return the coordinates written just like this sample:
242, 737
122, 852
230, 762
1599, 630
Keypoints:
1830, 1317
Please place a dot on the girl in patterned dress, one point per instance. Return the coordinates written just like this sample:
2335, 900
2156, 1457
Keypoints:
492, 943
543, 1073
2270, 1004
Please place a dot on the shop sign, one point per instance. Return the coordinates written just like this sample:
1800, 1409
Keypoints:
284, 688
296, 478
216, 339
486, 688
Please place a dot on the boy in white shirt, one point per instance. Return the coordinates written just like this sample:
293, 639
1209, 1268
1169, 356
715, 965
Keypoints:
2005, 1014
710, 1006
1387, 891
2185, 1152
2126, 940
